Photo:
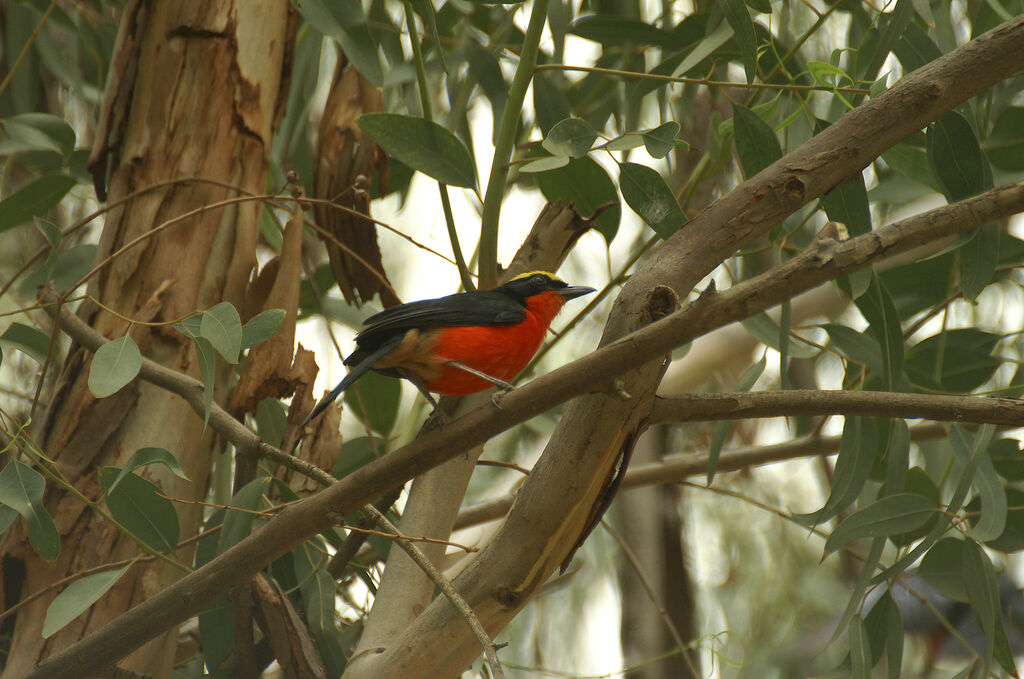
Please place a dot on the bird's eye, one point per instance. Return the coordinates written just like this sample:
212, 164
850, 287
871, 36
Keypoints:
539, 280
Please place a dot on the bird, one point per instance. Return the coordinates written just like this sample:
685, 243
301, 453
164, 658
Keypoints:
459, 344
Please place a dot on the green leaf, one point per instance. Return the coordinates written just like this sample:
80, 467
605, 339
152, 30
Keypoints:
953, 360
115, 364
1005, 144
831, 76
78, 596
883, 38
238, 524
1012, 537
146, 456
422, 145
217, 634
884, 627
738, 16
262, 327
618, 30
486, 70
992, 522
662, 139
963, 171
941, 569
355, 454
49, 230
271, 420
856, 346
721, 35
848, 204
982, 592
915, 48
766, 331
857, 449
549, 100
378, 396
137, 505
746, 382
27, 339
585, 184
756, 144
34, 200
209, 545
978, 259
625, 142
887, 516
1008, 459
21, 488
207, 362
319, 596
884, 325
571, 137
920, 285
65, 269
545, 164
346, 22
912, 163
222, 325
649, 196
8, 515
956, 157
918, 482
42, 132
860, 650
977, 446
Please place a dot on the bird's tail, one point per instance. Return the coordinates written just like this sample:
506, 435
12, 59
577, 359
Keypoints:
357, 371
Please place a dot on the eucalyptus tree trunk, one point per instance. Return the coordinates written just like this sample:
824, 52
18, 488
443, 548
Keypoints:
194, 92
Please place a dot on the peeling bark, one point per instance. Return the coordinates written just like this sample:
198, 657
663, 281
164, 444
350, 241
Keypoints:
193, 92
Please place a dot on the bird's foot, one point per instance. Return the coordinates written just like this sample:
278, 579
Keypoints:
497, 396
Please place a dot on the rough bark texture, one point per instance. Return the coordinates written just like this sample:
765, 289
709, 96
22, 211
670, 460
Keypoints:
193, 93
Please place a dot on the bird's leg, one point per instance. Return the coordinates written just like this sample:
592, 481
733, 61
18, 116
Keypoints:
501, 384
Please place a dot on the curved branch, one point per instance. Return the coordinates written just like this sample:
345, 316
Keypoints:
681, 466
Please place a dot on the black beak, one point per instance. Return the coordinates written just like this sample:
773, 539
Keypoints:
574, 291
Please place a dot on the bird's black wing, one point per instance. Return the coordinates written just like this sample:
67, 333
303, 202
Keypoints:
480, 307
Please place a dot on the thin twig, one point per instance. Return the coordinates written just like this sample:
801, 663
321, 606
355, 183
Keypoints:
446, 588
813, 402
27, 47
646, 583
697, 81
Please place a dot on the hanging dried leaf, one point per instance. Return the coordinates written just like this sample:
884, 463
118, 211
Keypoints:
345, 164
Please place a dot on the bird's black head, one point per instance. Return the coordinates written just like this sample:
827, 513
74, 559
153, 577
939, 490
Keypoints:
526, 285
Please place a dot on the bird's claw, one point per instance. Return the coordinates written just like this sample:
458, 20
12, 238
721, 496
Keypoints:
497, 396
